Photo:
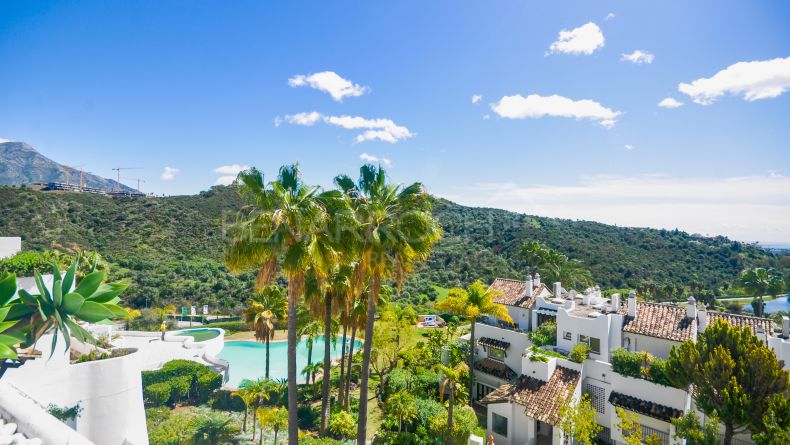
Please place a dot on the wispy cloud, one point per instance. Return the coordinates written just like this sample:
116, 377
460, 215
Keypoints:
670, 102
749, 208
609, 16
638, 57
329, 82
536, 106
751, 80
375, 159
169, 173
3, 140
582, 40
371, 129
476, 98
229, 173
629, 147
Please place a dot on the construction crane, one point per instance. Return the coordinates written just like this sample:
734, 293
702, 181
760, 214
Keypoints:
138, 182
117, 187
69, 169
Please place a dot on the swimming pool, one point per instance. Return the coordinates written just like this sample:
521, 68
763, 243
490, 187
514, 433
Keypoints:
782, 303
200, 334
248, 358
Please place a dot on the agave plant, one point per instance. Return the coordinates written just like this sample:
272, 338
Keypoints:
25, 319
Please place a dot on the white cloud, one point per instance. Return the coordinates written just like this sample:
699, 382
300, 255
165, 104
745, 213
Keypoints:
750, 208
225, 180
638, 56
375, 159
329, 82
752, 80
629, 147
582, 40
486, 116
476, 98
609, 16
670, 102
3, 140
233, 169
169, 173
536, 106
373, 129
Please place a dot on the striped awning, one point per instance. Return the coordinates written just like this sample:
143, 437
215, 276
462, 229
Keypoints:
493, 343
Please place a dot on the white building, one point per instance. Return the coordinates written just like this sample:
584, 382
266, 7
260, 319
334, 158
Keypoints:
520, 391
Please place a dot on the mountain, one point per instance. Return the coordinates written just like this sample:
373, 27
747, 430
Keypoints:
22, 164
171, 248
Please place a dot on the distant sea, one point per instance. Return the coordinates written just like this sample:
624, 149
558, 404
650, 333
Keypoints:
776, 246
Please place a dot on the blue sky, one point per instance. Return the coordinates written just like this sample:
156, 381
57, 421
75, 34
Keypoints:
196, 86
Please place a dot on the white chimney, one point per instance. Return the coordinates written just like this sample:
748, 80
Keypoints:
529, 287
586, 298
537, 279
702, 318
760, 331
557, 290
786, 326
632, 304
615, 302
691, 308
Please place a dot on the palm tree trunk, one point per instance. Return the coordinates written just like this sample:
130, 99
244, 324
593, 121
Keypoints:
267, 356
729, 431
254, 425
327, 366
375, 288
275, 436
293, 408
471, 362
244, 424
342, 386
348, 373
450, 412
260, 440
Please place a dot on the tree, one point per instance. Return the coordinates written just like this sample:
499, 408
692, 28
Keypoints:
694, 432
578, 420
631, 430
357, 319
533, 253
308, 329
570, 273
248, 398
451, 377
214, 428
396, 230
283, 227
403, 406
259, 391
759, 282
476, 300
733, 373
776, 422
268, 305
272, 418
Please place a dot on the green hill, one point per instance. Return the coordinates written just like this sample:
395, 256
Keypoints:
171, 248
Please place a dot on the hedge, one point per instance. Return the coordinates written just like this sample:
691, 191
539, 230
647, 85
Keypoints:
181, 381
157, 394
627, 363
579, 353
230, 326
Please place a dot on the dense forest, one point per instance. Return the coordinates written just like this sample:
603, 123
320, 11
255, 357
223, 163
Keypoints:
171, 248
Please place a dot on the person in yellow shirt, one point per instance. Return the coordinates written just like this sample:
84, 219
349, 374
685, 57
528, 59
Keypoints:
163, 329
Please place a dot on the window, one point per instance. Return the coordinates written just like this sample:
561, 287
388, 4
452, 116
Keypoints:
483, 390
567, 335
496, 354
499, 424
592, 342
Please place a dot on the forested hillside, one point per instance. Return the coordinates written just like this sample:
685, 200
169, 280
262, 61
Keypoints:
171, 248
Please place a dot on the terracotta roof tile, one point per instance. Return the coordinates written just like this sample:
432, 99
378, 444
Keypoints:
743, 320
514, 292
541, 399
495, 368
645, 407
493, 343
661, 321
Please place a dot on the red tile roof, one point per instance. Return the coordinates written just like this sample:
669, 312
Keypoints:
661, 321
541, 399
514, 292
495, 368
743, 320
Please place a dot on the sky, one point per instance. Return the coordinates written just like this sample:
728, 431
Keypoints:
670, 115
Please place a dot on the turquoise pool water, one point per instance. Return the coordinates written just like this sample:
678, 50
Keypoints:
248, 359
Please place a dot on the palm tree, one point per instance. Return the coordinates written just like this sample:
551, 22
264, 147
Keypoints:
308, 329
260, 391
533, 252
272, 418
452, 378
248, 398
357, 320
309, 372
214, 428
476, 300
758, 282
403, 406
282, 228
571, 273
269, 305
396, 230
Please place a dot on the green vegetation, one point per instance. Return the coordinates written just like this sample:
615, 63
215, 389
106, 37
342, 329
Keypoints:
579, 353
734, 375
180, 381
578, 420
544, 335
200, 335
640, 365
759, 282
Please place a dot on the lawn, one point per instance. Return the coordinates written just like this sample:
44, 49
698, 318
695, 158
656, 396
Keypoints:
201, 334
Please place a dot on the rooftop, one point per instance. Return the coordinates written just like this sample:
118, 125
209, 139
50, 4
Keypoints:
541, 399
514, 292
661, 321
743, 320
495, 368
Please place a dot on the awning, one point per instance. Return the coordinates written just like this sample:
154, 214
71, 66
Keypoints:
644, 407
546, 311
493, 343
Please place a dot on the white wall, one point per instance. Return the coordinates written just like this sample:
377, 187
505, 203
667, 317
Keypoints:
781, 348
521, 429
10, 246
659, 347
591, 327
518, 343
520, 316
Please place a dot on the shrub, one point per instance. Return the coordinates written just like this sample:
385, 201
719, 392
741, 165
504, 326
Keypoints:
343, 425
179, 388
157, 394
579, 353
627, 363
205, 384
545, 334
224, 400
426, 383
659, 372
231, 327
187, 380
308, 416
399, 379
313, 440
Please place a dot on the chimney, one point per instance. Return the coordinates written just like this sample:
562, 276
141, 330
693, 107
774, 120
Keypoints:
632, 304
615, 302
786, 326
760, 331
702, 318
537, 279
557, 290
586, 298
529, 287
691, 308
